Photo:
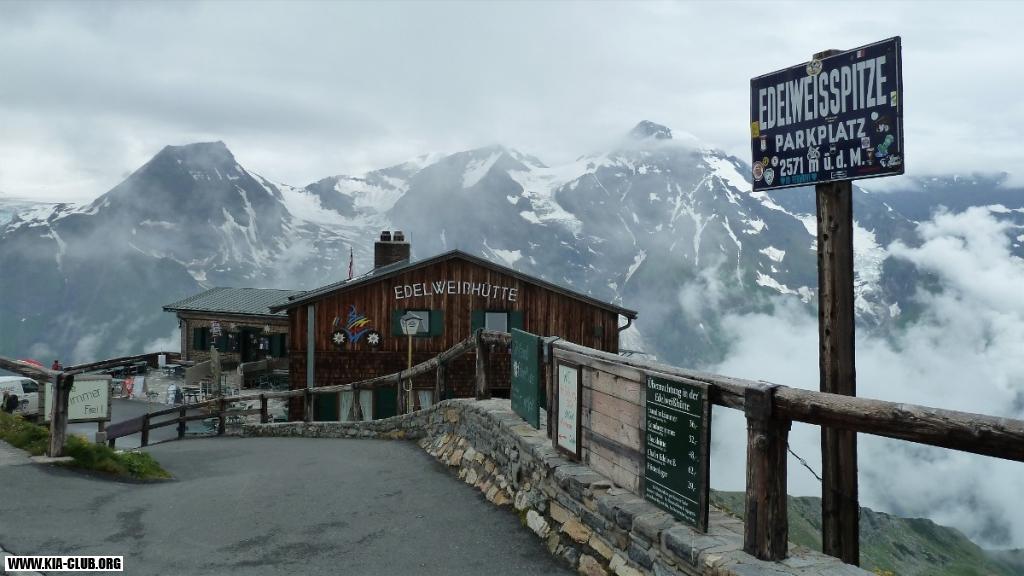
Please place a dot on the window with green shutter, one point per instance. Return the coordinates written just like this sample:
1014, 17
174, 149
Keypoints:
278, 345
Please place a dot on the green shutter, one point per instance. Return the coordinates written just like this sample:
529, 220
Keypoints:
477, 320
396, 323
277, 346
198, 338
436, 322
385, 402
326, 407
515, 320
221, 342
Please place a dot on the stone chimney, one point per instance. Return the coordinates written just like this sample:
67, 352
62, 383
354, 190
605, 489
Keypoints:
390, 249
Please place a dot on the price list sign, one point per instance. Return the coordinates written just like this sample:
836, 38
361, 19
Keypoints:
676, 449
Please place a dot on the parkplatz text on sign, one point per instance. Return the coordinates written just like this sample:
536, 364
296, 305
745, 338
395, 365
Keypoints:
837, 118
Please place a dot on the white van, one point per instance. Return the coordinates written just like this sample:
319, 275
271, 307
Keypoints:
27, 391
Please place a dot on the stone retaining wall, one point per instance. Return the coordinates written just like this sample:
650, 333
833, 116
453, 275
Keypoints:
594, 526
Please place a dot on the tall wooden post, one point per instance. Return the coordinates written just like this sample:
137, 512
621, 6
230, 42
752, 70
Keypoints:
839, 498
62, 385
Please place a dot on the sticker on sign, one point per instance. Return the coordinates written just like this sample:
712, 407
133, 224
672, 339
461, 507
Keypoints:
834, 118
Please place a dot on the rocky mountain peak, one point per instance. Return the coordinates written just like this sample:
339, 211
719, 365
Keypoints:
199, 152
647, 129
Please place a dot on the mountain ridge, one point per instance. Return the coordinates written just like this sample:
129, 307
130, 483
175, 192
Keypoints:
666, 223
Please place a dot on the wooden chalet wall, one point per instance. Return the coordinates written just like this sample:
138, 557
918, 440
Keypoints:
544, 311
191, 320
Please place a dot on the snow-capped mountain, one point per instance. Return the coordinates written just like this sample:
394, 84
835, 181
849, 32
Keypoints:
666, 227
89, 281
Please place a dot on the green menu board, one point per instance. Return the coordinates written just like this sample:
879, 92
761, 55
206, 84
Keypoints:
526, 389
676, 449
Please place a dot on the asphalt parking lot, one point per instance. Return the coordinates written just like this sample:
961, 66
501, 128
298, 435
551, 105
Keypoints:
271, 506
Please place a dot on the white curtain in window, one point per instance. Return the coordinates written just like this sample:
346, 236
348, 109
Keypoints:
426, 398
366, 403
346, 405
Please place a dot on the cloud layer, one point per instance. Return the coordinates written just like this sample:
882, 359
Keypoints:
963, 353
304, 90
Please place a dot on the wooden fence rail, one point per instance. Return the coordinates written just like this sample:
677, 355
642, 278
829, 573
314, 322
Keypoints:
219, 407
769, 410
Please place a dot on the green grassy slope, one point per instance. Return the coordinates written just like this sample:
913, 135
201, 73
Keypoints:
889, 544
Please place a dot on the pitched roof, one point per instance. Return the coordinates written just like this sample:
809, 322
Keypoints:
407, 265
248, 301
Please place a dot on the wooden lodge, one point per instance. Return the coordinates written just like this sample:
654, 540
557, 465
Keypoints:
236, 321
351, 330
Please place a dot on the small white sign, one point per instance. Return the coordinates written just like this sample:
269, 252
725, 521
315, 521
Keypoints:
568, 407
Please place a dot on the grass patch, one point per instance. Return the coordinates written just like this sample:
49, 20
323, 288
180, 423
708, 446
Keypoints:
20, 433
87, 455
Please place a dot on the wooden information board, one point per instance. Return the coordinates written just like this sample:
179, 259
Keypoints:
567, 410
526, 370
676, 454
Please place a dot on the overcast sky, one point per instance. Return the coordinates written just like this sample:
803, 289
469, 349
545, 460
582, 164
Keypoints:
90, 91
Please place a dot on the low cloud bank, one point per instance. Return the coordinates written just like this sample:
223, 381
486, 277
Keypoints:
965, 352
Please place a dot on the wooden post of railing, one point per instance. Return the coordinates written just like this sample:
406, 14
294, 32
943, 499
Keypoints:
62, 384
264, 415
182, 413
222, 407
766, 527
483, 389
307, 406
145, 430
400, 399
355, 413
440, 383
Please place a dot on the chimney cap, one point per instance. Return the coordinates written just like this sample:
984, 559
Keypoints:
399, 236
385, 236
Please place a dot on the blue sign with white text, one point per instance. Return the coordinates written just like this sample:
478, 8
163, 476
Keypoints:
838, 118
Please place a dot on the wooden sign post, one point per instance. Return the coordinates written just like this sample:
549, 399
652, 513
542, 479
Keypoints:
840, 510
828, 122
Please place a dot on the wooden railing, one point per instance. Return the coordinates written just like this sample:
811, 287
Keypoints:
770, 409
220, 408
63, 380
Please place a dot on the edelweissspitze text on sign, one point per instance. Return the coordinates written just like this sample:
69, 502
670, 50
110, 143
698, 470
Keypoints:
838, 118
